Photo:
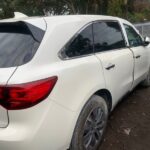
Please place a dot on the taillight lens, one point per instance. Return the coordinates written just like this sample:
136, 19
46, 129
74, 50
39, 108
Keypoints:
21, 96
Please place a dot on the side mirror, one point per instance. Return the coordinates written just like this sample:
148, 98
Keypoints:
146, 41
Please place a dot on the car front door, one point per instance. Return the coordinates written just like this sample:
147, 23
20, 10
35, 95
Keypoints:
140, 52
115, 57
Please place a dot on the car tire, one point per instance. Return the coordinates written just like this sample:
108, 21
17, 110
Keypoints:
91, 125
146, 82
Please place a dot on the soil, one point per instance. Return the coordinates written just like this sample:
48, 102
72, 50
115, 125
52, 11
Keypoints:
129, 124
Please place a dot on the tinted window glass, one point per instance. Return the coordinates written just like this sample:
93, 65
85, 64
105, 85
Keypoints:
107, 36
133, 38
139, 28
81, 45
17, 44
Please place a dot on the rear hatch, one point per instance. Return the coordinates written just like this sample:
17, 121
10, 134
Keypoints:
19, 41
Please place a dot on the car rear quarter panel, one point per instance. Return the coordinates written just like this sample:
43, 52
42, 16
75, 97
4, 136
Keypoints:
78, 79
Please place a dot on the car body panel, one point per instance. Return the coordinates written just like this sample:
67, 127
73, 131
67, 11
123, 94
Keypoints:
141, 55
50, 124
41, 132
120, 78
141, 64
5, 74
72, 72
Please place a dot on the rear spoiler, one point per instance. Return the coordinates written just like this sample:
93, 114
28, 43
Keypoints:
19, 15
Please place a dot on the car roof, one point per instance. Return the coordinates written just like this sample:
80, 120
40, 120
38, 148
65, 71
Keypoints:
86, 18
80, 19
65, 17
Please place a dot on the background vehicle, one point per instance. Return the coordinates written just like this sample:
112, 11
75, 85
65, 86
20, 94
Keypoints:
61, 76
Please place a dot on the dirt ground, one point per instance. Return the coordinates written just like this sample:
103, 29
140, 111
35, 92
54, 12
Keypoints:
129, 124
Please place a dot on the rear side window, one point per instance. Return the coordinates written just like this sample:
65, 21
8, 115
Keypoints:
18, 43
82, 44
107, 36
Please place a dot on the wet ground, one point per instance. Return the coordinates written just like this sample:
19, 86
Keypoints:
129, 124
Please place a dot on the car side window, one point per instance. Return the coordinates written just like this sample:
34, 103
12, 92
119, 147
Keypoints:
107, 36
81, 45
133, 37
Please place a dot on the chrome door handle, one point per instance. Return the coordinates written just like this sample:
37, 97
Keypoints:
110, 66
138, 56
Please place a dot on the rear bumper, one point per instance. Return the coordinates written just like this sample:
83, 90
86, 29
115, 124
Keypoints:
47, 126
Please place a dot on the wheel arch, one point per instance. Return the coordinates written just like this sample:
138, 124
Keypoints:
104, 93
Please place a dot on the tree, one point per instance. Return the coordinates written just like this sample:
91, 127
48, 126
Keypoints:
32, 7
6, 8
115, 8
130, 5
104, 6
133, 10
85, 6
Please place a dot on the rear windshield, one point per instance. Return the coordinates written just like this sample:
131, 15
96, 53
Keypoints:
18, 43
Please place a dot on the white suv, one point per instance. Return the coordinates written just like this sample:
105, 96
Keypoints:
61, 76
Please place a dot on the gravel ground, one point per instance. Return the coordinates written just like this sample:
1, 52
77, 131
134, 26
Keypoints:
129, 124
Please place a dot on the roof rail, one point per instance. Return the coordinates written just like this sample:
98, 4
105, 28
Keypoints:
19, 15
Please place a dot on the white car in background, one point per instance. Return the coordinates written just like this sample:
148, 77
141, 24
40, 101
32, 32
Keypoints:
60, 77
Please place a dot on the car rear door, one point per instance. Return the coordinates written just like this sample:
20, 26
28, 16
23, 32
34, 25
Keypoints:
116, 59
141, 54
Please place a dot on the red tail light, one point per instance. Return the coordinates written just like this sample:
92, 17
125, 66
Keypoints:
26, 95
